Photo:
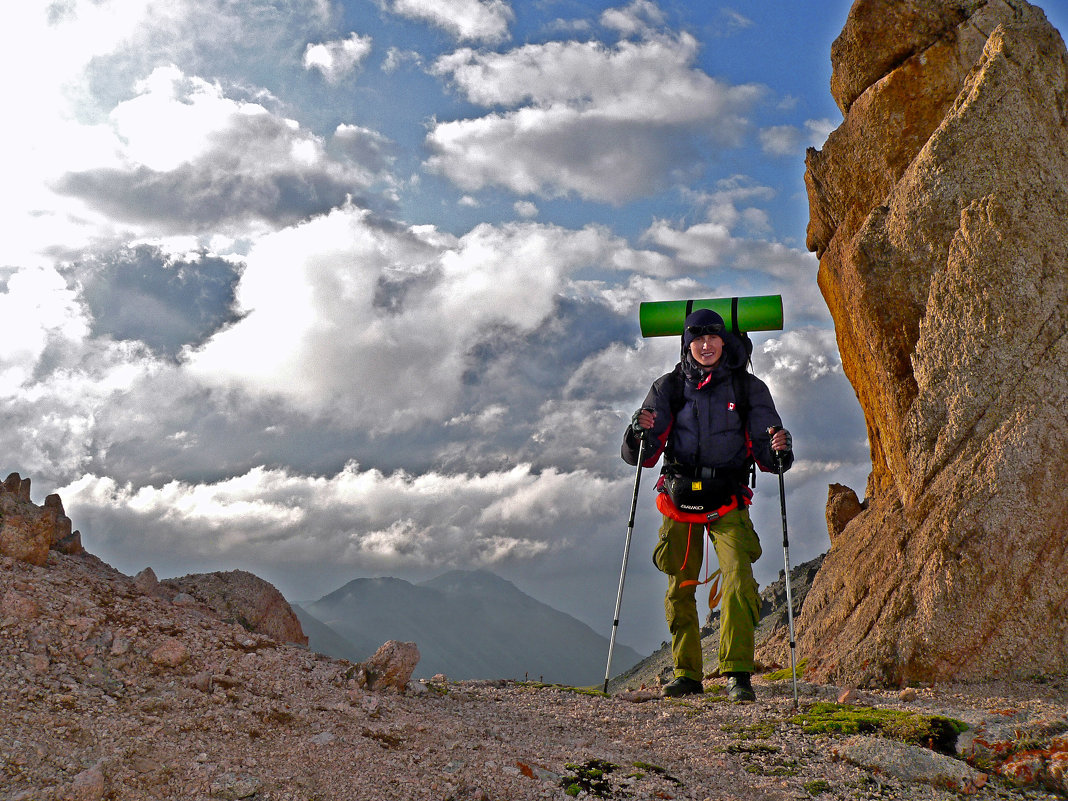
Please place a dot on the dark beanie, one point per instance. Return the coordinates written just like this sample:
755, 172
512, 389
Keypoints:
697, 319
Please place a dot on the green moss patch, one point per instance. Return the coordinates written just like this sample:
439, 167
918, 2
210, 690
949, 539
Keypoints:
751, 748
761, 730
645, 767
816, 787
593, 778
590, 777
786, 673
931, 731
539, 685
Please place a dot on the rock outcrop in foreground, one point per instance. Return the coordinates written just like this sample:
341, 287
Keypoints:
939, 211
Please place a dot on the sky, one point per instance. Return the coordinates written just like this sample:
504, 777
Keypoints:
328, 290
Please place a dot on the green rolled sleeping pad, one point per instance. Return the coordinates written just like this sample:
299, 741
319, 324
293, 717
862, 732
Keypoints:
664, 318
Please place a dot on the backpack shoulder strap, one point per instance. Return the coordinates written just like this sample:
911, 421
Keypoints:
676, 396
740, 382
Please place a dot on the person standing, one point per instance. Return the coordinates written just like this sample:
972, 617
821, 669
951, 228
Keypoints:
711, 420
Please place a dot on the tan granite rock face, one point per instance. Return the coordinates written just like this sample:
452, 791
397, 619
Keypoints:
946, 271
880, 35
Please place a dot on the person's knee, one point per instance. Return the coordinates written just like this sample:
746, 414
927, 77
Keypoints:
680, 615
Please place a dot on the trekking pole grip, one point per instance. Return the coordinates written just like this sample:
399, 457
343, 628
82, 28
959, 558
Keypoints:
777, 454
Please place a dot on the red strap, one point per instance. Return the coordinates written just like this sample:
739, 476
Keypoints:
686, 558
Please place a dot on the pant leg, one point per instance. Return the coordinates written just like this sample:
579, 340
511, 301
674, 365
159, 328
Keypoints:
680, 604
737, 547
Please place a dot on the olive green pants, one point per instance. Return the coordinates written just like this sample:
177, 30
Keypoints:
681, 551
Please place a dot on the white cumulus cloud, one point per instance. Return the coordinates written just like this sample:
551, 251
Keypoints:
603, 123
471, 20
194, 157
337, 59
360, 517
345, 316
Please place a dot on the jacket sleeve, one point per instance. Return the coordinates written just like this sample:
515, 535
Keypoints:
762, 415
659, 400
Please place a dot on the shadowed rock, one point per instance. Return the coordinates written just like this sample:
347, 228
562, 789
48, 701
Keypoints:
244, 598
29, 531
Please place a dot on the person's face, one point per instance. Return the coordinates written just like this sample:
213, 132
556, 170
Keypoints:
706, 349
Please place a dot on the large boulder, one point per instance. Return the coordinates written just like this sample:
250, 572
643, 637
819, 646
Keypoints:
243, 598
939, 210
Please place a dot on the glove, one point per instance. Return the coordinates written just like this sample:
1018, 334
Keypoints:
637, 430
789, 440
789, 443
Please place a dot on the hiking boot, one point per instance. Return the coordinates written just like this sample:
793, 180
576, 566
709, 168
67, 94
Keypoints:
683, 686
739, 688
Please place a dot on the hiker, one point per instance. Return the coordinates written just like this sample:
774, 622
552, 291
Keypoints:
711, 419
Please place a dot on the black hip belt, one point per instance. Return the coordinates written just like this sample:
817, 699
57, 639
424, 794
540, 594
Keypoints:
724, 474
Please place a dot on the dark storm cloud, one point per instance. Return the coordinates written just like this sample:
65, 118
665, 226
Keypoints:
140, 294
200, 197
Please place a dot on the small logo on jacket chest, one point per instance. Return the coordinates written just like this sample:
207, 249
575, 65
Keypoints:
730, 406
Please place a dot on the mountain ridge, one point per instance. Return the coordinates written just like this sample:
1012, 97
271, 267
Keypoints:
468, 624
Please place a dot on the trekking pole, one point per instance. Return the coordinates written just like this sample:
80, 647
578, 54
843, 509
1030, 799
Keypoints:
786, 555
626, 554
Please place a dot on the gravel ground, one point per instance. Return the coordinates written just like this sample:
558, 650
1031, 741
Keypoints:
112, 693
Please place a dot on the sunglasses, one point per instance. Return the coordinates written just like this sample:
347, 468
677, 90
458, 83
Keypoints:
705, 330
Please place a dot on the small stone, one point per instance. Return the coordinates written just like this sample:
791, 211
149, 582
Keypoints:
35, 663
18, 606
231, 787
172, 653
89, 785
908, 694
1024, 767
390, 668
243, 640
848, 696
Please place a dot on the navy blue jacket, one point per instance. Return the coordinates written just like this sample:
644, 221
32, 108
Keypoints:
707, 432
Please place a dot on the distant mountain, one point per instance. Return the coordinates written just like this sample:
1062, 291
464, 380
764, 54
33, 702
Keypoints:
467, 624
323, 639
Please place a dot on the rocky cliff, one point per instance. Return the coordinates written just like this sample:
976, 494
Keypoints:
939, 211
